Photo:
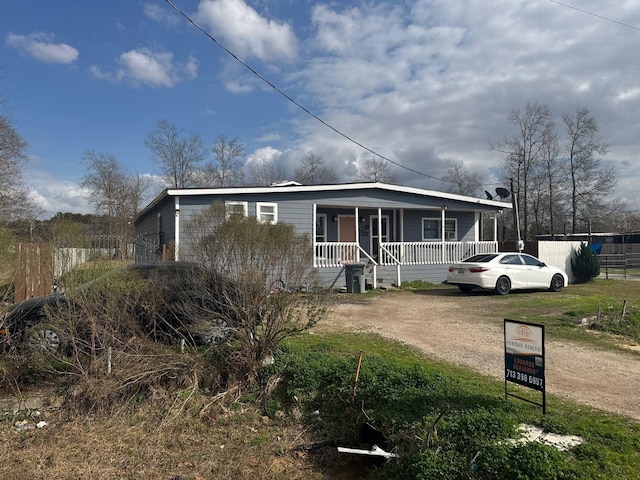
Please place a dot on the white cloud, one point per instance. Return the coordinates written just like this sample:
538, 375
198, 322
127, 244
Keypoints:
421, 82
51, 195
245, 32
265, 154
144, 66
158, 14
41, 47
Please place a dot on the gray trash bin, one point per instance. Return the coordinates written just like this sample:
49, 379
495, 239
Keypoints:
354, 275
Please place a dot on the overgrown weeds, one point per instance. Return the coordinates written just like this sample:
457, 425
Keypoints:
405, 395
161, 413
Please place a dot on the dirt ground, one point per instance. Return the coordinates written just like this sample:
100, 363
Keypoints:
468, 330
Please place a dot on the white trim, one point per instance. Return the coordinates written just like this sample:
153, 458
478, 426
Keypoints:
176, 249
381, 238
325, 188
245, 206
336, 187
441, 229
324, 224
274, 214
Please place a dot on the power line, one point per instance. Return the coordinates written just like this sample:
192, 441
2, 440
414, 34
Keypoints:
595, 15
290, 99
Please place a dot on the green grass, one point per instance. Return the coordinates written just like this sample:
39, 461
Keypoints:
403, 392
562, 313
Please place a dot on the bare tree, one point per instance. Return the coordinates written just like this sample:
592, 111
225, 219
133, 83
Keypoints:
591, 181
373, 169
178, 157
226, 169
264, 172
524, 152
14, 195
114, 192
462, 181
314, 171
552, 174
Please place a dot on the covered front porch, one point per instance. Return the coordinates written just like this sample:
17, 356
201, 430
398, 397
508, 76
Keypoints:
394, 238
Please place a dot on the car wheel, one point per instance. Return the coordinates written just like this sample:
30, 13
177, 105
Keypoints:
465, 288
557, 283
43, 338
503, 286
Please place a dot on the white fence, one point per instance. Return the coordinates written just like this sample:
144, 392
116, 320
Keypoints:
336, 254
559, 254
432, 253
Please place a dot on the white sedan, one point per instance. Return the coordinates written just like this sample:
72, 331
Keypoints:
505, 271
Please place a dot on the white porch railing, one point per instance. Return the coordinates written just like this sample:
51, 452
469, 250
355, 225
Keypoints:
336, 254
432, 253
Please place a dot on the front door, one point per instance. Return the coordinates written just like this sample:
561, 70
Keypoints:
347, 233
346, 228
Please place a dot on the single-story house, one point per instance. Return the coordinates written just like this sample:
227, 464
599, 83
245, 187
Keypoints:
398, 233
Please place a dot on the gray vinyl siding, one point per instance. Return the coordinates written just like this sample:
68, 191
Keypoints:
405, 210
147, 226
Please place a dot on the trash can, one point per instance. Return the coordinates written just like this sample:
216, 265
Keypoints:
354, 275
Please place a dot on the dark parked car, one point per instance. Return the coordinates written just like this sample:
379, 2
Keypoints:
170, 301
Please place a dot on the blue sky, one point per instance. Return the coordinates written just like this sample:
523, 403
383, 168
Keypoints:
422, 82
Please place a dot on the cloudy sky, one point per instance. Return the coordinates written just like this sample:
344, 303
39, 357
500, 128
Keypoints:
421, 82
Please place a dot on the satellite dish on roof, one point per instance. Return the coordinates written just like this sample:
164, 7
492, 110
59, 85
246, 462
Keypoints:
502, 192
489, 196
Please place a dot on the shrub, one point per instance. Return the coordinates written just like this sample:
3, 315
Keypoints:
586, 265
256, 255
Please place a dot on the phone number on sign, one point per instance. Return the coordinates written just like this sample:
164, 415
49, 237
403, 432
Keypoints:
523, 377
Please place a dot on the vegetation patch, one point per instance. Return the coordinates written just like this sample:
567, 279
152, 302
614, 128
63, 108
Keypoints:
443, 422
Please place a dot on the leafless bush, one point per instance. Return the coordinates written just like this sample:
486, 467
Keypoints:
254, 255
155, 376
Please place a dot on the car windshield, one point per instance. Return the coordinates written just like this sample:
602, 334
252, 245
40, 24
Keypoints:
481, 258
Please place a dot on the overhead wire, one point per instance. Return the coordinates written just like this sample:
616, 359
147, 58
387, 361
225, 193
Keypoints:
321, 120
292, 100
587, 12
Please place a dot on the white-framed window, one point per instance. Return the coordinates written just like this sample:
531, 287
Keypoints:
267, 212
432, 230
237, 208
321, 227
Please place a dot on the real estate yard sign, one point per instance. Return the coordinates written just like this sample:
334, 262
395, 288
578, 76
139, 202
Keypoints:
524, 357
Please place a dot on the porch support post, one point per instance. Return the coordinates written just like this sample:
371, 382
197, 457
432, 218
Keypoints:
313, 233
357, 234
495, 227
176, 249
375, 273
401, 226
442, 230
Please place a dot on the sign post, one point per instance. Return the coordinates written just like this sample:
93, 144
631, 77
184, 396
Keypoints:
524, 358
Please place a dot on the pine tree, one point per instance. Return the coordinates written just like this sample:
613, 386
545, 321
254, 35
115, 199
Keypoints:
586, 265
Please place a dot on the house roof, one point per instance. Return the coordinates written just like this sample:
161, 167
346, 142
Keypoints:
292, 187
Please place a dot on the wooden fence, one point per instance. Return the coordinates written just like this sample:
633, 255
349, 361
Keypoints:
34, 275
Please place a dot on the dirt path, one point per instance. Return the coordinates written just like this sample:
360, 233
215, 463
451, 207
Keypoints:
463, 330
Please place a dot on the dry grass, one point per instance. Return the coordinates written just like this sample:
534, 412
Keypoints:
159, 416
215, 442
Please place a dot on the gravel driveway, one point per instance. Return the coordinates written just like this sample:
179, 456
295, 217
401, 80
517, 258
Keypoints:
466, 330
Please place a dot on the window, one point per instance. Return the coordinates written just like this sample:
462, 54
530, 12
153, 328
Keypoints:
511, 260
321, 227
529, 260
237, 208
431, 229
267, 212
